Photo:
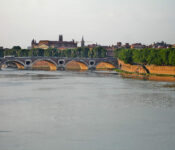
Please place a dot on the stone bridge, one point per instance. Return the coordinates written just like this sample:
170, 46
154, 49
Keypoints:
56, 63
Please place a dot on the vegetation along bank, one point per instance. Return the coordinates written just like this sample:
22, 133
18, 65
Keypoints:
147, 61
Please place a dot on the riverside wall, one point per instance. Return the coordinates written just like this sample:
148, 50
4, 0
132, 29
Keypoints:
164, 70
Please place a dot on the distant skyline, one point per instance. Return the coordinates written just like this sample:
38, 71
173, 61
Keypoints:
101, 21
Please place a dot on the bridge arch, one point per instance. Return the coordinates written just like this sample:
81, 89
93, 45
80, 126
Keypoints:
105, 66
76, 65
19, 64
44, 64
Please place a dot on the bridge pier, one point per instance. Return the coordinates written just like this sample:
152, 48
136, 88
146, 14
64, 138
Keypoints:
0, 63
28, 64
27, 68
90, 67
61, 68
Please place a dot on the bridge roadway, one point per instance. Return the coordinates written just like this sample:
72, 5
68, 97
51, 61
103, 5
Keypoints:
59, 63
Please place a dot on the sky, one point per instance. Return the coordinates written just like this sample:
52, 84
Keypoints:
100, 21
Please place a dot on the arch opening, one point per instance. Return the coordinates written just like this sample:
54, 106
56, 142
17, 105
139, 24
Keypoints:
28, 62
92, 62
76, 65
44, 65
105, 66
61, 62
13, 65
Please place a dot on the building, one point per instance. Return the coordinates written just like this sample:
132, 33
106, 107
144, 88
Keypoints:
60, 44
119, 45
82, 42
173, 46
126, 45
110, 50
137, 46
91, 46
29, 47
160, 45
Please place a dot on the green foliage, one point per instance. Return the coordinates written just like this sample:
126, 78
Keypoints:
55, 52
73, 53
126, 55
147, 56
164, 54
16, 47
90, 53
68, 53
83, 52
99, 52
23, 53
11, 52
1, 52
154, 58
171, 57
47, 53
140, 56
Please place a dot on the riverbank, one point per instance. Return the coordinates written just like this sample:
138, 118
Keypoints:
148, 72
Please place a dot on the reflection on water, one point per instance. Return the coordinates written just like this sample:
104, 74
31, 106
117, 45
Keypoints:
68, 110
170, 85
157, 100
35, 76
4, 131
149, 77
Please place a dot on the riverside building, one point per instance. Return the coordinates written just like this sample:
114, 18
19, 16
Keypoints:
60, 44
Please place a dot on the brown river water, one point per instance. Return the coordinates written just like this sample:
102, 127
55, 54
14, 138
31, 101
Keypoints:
65, 110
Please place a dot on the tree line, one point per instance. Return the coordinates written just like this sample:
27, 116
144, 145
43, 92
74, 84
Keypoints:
85, 52
147, 56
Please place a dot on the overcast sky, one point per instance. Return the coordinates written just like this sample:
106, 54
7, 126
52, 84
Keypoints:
101, 21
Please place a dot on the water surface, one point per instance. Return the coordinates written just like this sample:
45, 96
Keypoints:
42, 110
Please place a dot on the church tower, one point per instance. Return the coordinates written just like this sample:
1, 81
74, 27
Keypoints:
82, 42
33, 43
60, 38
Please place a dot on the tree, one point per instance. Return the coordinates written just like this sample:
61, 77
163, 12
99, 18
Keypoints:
73, 53
126, 55
40, 52
164, 53
116, 52
68, 53
16, 47
1, 52
147, 56
154, 58
90, 54
172, 57
79, 49
23, 53
30, 53
99, 52
103, 53
139, 56
11, 52
47, 53
86, 51
55, 52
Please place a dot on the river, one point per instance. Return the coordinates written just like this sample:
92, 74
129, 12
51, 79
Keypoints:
64, 110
